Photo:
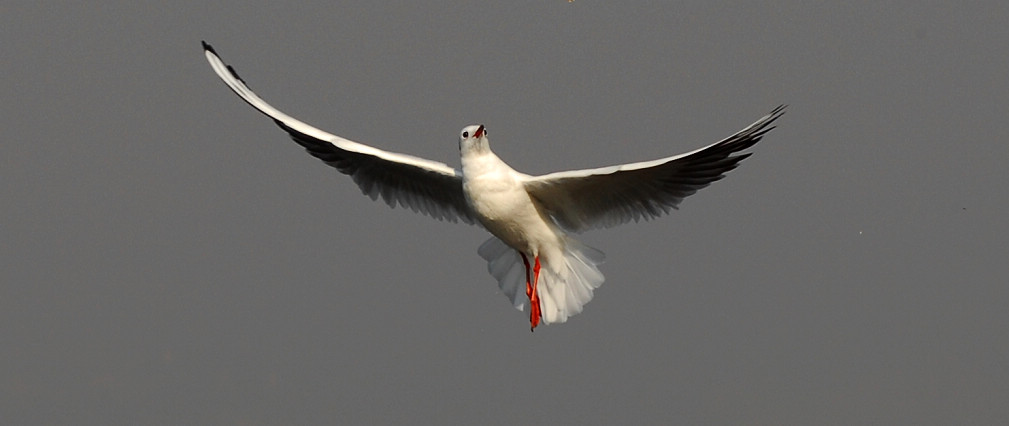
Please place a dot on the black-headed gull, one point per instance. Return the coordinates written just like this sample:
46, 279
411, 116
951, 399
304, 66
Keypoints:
530, 217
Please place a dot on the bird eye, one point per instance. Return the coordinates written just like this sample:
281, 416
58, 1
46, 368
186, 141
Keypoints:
465, 134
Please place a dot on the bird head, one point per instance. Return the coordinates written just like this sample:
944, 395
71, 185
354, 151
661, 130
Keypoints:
473, 138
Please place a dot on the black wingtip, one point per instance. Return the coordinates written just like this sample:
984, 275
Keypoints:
779, 111
765, 123
235, 74
208, 48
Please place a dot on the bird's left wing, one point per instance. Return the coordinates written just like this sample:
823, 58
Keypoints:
425, 186
608, 196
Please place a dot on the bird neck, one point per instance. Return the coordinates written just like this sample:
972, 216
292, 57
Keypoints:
476, 162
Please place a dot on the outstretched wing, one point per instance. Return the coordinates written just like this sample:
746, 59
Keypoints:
425, 186
608, 196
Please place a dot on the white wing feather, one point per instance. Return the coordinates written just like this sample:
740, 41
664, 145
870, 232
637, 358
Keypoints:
608, 196
425, 186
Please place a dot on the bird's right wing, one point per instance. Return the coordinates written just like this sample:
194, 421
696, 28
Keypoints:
608, 196
425, 186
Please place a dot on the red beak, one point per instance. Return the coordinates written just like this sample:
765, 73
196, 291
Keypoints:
479, 132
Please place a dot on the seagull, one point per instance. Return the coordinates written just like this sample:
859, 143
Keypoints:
532, 219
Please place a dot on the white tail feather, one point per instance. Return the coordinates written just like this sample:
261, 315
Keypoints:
563, 291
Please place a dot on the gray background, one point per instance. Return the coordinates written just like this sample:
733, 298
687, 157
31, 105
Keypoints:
168, 256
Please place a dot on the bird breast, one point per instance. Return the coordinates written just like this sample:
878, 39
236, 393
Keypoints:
503, 206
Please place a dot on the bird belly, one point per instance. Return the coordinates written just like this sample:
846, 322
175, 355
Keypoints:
508, 212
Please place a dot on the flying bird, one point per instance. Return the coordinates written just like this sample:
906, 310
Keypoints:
532, 219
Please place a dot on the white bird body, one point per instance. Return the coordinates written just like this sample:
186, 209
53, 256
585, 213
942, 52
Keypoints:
497, 195
530, 217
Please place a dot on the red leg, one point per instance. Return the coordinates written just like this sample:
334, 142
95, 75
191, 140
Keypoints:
529, 286
535, 313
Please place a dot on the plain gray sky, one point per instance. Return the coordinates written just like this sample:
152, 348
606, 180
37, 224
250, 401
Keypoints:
169, 256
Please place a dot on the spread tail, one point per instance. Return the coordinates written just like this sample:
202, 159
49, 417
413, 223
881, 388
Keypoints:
563, 291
